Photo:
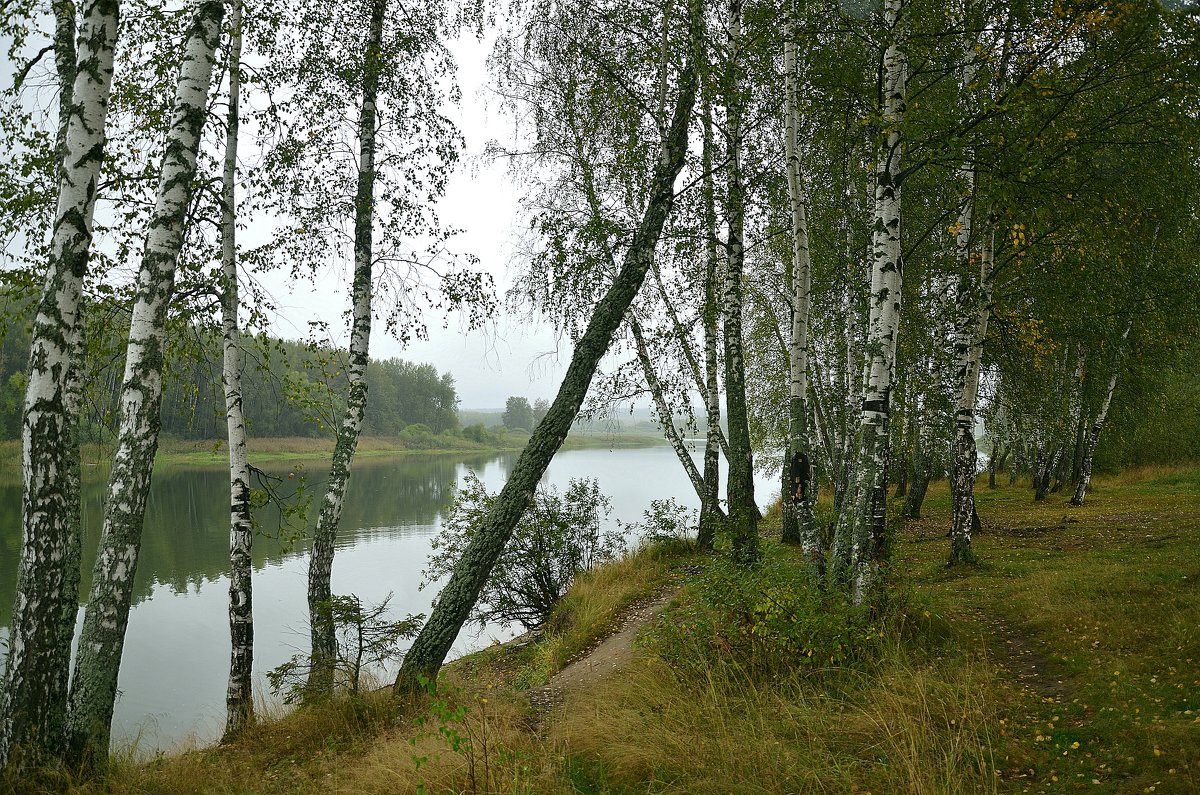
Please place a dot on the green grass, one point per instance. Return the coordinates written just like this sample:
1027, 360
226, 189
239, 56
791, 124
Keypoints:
1067, 661
1103, 599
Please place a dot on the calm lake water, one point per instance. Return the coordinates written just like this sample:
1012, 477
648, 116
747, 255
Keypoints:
176, 657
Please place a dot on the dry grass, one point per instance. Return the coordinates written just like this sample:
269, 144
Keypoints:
1067, 661
904, 728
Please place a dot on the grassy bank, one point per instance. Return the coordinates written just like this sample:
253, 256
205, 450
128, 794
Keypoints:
303, 448
1067, 661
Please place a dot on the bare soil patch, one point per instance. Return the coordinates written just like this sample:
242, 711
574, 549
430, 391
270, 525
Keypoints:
608, 656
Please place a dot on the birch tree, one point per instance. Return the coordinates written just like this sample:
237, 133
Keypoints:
710, 506
239, 696
323, 636
1093, 435
33, 696
94, 681
969, 347
860, 528
458, 596
743, 513
799, 477
363, 151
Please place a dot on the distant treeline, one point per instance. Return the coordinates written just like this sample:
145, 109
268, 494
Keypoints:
288, 388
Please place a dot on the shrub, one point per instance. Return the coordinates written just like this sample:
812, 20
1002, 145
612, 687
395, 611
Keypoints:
479, 434
364, 638
664, 522
557, 538
765, 620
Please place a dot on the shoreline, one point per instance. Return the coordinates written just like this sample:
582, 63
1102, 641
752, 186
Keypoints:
266, 450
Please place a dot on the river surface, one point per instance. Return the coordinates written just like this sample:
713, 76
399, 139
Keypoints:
176, 658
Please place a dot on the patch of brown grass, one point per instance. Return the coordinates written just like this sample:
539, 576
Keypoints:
906, 728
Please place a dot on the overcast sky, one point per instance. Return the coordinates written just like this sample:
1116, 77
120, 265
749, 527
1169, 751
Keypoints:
515, 355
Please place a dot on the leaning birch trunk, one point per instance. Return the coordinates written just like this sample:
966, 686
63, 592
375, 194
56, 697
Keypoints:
743, 513
34, 689
239, 694
662, 408
685, 344
323, 656
460, 593
972, 334
94, 683
862, 520
710, 506
653, 383
1093, 437
799, 484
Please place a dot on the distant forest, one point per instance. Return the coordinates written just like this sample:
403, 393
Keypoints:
288, 389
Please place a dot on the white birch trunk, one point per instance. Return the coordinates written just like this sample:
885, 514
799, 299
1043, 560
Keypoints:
799, 481
975, 305
94, 683
320, 570
239, 694
743, 514
861, 522
710, 511
33, 691
1093, 437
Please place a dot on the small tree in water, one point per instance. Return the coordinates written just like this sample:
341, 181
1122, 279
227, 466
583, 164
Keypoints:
364, 639
557, 538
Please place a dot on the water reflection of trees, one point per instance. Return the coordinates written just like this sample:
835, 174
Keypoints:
185, 543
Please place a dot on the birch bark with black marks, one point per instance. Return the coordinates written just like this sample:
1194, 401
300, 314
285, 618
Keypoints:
239, 693
94, 683
460, 593
799, 487
323, 655
975, 306
662, 408
33, 694
1093, 436
684, 339
1046, 468
711, 515
862, 520
743, 513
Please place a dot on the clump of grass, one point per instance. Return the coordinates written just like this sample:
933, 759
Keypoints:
463, 740
906, 728
293, 753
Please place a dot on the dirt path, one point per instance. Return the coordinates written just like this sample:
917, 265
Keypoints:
611, 654
1018, 654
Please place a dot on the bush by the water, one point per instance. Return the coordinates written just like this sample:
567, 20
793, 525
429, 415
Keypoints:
558, 537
